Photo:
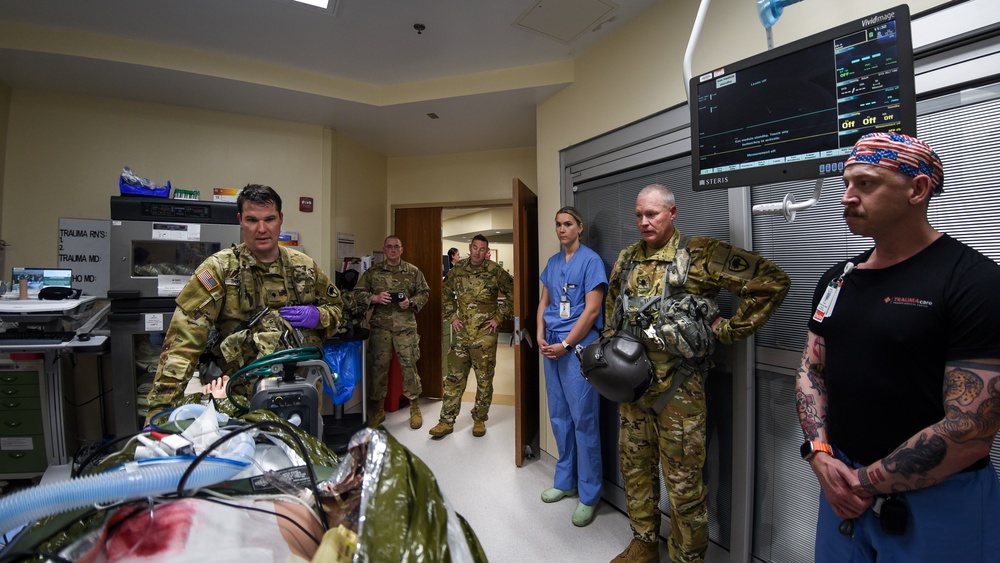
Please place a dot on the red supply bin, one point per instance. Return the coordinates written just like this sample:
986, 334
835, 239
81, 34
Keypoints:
394, 396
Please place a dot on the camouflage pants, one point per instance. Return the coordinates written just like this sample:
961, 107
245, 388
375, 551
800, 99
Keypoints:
381, 343
481, 355
677, 440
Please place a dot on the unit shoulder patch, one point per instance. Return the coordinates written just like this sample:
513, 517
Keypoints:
734, 262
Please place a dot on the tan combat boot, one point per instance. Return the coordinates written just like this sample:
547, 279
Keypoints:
639, 552
442, 429
378, 414
478, 428
416, 420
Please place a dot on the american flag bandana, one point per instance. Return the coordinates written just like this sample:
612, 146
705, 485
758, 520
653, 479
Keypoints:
208, 280
901, 153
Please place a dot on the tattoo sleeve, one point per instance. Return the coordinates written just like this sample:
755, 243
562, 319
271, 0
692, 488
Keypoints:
810, 389
809, 414
926, 454
965, 421
971, 398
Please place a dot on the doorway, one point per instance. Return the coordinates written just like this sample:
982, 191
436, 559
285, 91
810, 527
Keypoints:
458, 226
422, 230
422, 227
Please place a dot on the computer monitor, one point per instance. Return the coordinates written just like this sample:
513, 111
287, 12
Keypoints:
795, 112
42, 277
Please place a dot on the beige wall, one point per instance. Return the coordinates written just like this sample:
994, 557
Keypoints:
66, 152
639, 72
456, 178
360, 196
4, 116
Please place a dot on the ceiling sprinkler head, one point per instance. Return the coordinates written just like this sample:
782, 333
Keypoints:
419, 27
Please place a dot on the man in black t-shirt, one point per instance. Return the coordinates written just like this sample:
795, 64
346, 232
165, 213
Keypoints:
898, 393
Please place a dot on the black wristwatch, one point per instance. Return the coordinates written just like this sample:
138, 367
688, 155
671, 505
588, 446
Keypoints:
567, 346
810, 448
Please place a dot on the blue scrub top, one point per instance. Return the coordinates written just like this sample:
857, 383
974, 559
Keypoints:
583, 273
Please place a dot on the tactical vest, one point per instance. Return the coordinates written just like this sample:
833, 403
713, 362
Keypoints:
677, 322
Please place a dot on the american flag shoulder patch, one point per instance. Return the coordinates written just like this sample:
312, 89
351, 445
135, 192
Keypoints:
208, 280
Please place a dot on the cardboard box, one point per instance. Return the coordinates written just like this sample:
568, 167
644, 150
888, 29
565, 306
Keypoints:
186, 194
288, 238
225, 195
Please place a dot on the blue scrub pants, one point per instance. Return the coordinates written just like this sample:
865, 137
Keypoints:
957, 520
573, 410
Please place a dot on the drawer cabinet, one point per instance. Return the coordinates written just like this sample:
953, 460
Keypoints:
22, 434
25, 461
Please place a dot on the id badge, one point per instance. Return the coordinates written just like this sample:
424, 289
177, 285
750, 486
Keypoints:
829, 299
564, 307
826, 303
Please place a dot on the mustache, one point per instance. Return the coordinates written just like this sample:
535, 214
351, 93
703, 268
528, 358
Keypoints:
851, 212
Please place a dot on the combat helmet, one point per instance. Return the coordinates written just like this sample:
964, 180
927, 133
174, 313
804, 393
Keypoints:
617, 367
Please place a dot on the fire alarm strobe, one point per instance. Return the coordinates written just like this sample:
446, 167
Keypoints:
306, 204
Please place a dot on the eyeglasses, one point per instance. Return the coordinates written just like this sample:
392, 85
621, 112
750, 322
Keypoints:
393, 247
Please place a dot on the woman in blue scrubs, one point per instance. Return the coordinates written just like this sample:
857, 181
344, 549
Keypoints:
571, 313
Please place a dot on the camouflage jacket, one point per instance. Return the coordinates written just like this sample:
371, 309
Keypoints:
229, 287
472, 293
404, 277
715, 265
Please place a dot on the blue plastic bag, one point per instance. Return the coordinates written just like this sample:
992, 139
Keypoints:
132, 184
344, 359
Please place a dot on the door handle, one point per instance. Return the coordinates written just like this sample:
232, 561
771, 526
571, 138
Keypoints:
522, 334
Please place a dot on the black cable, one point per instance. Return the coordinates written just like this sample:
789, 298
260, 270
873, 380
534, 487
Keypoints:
61, 529
263, 511
139, 511
26, 555
314, 486
262, 424
87, 402
74, 472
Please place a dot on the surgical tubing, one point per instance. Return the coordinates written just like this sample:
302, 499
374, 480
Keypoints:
132, 482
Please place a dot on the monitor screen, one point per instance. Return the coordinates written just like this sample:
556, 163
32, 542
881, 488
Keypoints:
43, 277
794, 112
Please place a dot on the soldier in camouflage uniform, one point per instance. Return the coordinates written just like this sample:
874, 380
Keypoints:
472, 304
281, 289
393, 326
676, 435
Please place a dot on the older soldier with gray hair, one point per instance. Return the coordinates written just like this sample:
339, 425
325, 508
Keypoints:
274, 286
395, 290
472, 305
666, 428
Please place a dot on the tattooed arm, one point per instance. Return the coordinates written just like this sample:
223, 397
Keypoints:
835, 477
810, 389
962, 437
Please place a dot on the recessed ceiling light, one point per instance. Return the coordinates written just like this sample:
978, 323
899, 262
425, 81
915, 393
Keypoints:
318, 3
